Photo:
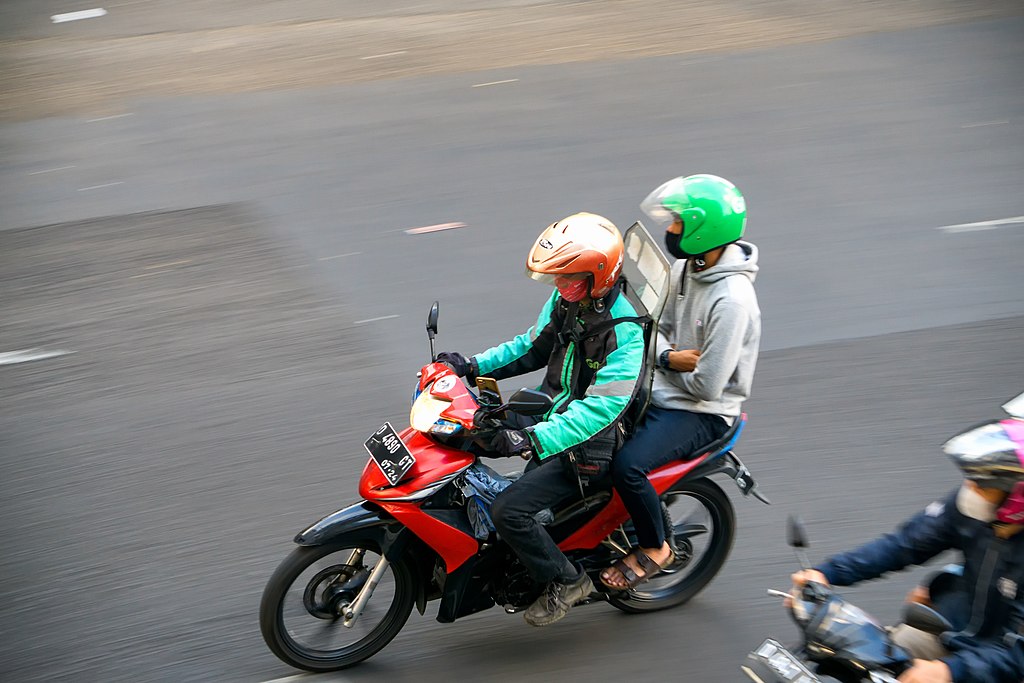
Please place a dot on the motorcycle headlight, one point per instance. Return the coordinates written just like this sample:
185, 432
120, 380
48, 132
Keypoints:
426, 411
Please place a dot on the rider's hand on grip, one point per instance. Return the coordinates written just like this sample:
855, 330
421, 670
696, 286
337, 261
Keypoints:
510, 442
456, 361
808, 584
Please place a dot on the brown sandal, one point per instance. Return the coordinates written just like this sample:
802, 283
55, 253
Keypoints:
650, 567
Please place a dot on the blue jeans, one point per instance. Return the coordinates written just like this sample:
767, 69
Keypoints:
664, 436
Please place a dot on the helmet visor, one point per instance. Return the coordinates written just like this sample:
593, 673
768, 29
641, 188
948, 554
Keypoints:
571, 286
654, 204
546, 278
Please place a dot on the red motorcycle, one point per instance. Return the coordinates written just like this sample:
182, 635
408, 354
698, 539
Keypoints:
422, 531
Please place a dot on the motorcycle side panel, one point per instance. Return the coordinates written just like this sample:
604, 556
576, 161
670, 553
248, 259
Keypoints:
353, 518
614, 513
453, 545
465, 592
433, 462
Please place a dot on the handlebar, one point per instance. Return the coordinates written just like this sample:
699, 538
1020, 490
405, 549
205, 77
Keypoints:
815, 592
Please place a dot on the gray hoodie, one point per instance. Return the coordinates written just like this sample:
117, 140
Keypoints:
716, 312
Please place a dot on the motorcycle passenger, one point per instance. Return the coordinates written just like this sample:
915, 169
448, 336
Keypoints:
708, 339
589, 339
983, 520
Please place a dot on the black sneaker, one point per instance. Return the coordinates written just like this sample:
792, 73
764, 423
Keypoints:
556, 601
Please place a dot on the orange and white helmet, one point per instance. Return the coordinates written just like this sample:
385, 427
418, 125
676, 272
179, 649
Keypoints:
583, 243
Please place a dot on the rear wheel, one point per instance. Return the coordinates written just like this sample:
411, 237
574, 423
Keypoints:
302, 614
703, 527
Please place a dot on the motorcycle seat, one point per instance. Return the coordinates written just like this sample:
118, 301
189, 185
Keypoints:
722, 444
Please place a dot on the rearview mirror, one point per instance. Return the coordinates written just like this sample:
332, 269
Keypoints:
529, 402
432, 321
924, 618
796, 535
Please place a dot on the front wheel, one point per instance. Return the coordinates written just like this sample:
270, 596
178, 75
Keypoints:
302, 614
703, 527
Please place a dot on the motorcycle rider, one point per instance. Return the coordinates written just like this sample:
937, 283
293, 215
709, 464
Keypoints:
592, 343
708, 339
983, 519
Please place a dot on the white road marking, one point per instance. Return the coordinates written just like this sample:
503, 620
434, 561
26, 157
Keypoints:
351, 253
75, 16
169, 264
107, 118
983, 123
51, 170
26, 355
293, 679
508, 80
96, 187
386, 54
373, 320
566, 47
983, 225
434, 228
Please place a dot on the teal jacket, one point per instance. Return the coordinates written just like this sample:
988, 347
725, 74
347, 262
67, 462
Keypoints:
591, 377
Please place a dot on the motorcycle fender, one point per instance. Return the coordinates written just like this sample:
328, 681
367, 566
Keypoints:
353, 518
394, 539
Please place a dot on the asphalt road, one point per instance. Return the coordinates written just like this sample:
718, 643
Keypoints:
234, 344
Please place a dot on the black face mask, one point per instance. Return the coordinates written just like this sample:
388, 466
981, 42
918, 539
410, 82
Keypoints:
672, 245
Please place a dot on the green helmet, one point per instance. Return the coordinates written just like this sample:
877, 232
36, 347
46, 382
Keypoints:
712, 210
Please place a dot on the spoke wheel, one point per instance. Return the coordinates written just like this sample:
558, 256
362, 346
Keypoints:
304, 604
703, 527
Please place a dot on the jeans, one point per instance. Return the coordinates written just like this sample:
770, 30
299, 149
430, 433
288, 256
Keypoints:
540, 487
664, 436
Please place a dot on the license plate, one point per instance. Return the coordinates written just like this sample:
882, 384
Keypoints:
391, 455
771, 657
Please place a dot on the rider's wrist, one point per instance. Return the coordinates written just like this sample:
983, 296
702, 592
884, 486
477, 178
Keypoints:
663, 359
534, 444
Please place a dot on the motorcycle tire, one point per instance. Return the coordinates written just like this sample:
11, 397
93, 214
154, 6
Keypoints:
645, 599
281, 641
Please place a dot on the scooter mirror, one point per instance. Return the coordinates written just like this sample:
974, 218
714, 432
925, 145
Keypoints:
529, 402
924, 618
432, 321
796, 535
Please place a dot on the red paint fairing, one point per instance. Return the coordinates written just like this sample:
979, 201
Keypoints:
614, 513
430, 372
433, 461
463, 404
452, 545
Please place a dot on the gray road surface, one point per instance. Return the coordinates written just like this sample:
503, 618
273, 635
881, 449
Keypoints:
222, 379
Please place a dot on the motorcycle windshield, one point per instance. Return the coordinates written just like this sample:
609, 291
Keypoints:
850, 633
646, 270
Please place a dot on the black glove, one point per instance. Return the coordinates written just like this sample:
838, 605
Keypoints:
462, 366
510, 442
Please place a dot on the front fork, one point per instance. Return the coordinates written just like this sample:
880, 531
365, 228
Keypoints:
355, 608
